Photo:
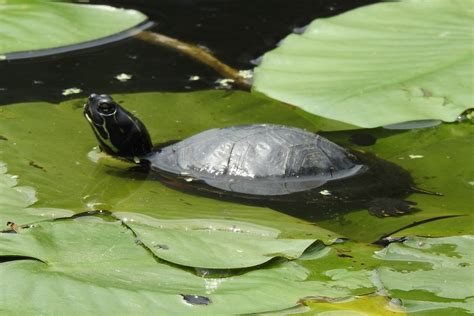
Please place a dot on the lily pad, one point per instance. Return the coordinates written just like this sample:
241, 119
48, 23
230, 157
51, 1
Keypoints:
59, 159
227, 244
440, 160
381, 64
89, 268
15, 201
44, 24
451, 226
438, 270
65, 176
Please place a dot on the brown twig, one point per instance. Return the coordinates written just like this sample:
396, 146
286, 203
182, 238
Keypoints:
197, 53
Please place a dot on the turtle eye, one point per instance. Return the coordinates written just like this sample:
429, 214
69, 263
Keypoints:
107, 108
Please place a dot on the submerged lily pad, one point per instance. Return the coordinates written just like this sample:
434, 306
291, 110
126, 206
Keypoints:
15, 201
381, 64
89, 268
54, 159
45, 24
58, 158
372, 305
438, 270
440, 160
226, 244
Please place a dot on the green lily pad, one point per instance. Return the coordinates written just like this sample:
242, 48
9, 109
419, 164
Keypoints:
65, 176
440, 160
58, 158
15, 201
381, 64
452, 226
227, 244
89, 268
438, 270
428, 308
43, 24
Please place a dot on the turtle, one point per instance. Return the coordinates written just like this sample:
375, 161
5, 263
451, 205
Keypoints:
261, 163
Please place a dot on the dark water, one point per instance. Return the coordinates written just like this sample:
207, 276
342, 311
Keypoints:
236, 31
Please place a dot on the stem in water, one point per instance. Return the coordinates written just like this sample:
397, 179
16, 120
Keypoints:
196, 53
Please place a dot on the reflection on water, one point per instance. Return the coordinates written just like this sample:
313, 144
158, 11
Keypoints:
328, 201
102, 193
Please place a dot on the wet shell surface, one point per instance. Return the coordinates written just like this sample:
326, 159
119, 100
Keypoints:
258, 159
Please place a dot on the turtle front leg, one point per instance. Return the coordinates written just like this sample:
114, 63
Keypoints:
384, 207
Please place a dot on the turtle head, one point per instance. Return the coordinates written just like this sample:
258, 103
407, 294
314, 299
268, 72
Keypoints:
119, 133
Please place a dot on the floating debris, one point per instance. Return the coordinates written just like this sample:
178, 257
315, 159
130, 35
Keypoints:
415, 156
325, 192
14, 227
123, 77
35, 165
194, 78
71, 91
225, 83
3, 57
246, 74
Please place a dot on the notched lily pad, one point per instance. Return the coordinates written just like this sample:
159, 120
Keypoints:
211, 243
438, 270
445, 166
101, 267
15, 202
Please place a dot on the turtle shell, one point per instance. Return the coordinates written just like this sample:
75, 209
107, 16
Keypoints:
258, 159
